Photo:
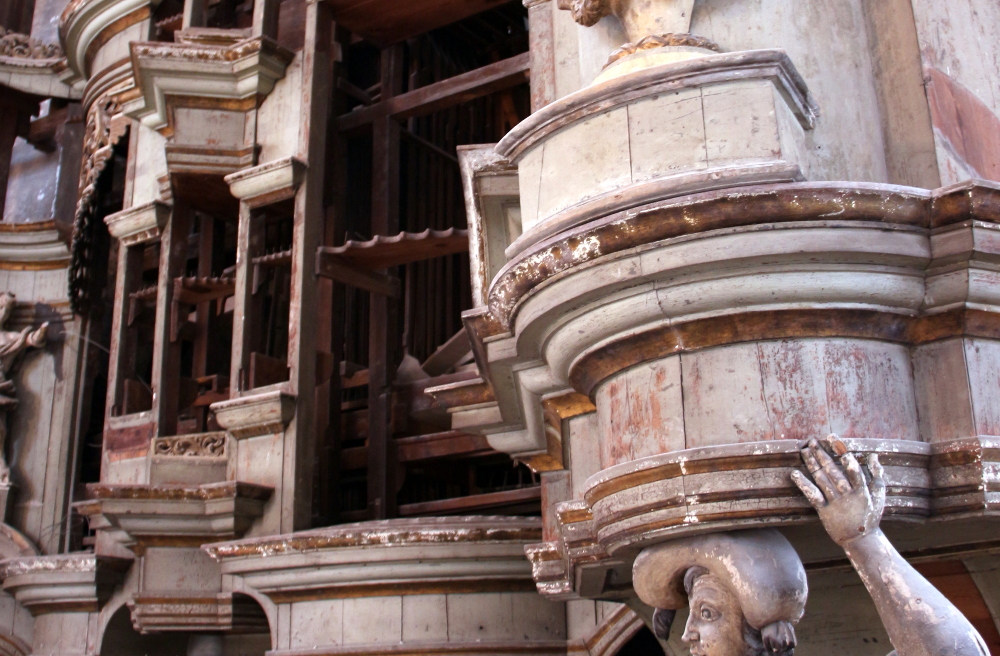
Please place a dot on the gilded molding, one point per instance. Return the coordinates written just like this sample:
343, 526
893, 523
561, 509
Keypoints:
61, 583
85, 21
431, 555
657, 498
141, 516
281, 176
386, 533
746, 206
154, 611
255, 414
246, 70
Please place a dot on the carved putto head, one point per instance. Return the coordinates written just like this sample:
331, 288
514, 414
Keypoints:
745, 589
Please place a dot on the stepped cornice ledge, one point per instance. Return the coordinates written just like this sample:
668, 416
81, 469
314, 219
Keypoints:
33, 67
85, 22
244, 72
430, 555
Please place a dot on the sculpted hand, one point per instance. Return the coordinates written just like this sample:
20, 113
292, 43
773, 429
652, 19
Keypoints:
848, 506
38, 337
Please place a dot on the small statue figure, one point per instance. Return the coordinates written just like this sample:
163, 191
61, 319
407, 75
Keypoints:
747, 589
12, 346
640, 18
658, 27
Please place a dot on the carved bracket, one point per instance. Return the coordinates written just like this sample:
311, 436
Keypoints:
139, 224
258, 414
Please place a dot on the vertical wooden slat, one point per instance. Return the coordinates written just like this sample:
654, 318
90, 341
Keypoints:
167, 353
333, 313
382, 324
307, 235
206, 243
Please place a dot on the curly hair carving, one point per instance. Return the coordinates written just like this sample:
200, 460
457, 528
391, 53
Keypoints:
587, 12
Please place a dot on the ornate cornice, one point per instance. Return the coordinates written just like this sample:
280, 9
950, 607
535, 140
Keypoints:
32, 246
32, 66
141, 516
84, 22
629, 506
154, 611
393, 557
246, 70
255, 414
139, 224
63, 583
278, 178
745, 206
666, 78
22, 46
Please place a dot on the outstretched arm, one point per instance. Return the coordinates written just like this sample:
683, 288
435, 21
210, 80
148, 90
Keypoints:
919, 619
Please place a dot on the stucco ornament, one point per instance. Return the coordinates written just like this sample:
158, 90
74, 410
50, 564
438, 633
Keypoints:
746, 590
12, 346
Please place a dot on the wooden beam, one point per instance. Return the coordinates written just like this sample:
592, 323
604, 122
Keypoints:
332, 266
436, 446
441, 95
385, 252
390, 21
476, 502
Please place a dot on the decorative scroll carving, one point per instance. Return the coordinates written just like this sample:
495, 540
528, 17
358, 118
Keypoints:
12, 346
663, 41
747, 589
205, 445
22, 46
100, 138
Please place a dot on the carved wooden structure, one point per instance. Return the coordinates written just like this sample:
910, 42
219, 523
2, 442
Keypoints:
341, 295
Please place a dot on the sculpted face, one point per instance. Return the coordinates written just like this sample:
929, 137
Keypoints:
715, 625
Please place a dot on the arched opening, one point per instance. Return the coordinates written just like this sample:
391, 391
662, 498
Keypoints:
643, 643
121, 638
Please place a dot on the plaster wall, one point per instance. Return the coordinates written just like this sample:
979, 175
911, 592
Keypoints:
792, 389
31, 190
38, 445
960, 52
278, 118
